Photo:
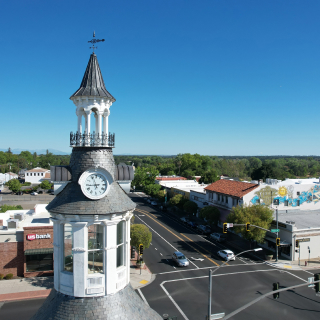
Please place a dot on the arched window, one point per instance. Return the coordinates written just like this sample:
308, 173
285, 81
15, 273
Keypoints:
95, 248
68, 245
120, 243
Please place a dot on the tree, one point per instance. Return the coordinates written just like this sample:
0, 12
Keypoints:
46, 185
190, 207
140, 234
14, 185
161, 195
209, 176
152, 189
259, 215
144, 176
175, 200
211, 214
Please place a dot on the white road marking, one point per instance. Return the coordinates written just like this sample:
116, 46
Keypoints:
160, 253
197, 259
143, 297
242, 260
141, 215
155, 248
177, 306
167, 293
225, 266
296, 276
165, 240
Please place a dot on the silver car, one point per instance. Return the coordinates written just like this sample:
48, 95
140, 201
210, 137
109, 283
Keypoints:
180, 259
226, 254
220, 237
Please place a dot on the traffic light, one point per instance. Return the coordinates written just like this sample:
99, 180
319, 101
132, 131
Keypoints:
225, 227
297, 243
278, 242
141, 249
317, 285
248, 226
133, 253
276, 287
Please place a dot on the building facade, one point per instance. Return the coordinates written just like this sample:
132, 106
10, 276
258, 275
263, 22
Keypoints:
37, 175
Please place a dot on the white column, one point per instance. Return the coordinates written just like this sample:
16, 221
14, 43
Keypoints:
88, 113
80, 257
80, 122
110, 257
58, 242
99, 123
96, 122
105, 122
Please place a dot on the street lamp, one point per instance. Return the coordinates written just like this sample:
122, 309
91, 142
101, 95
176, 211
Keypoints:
210, 278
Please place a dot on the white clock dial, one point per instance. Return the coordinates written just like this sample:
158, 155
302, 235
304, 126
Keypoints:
95, 185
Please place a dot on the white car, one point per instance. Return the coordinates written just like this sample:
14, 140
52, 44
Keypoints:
34, 193
226, 254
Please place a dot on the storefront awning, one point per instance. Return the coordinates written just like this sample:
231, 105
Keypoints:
38, 251
282, 242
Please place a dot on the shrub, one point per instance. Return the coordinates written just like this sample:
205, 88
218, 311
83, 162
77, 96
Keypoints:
1, 276
26, 184
9, 276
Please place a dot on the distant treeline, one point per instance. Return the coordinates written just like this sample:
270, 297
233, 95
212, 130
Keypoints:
186, 165
245, 168
26, 160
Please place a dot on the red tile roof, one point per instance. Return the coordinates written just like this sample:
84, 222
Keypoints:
170, 178
231, 187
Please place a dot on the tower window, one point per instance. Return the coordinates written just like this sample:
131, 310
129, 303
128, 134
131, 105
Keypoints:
95, 248
120, 244
68, 245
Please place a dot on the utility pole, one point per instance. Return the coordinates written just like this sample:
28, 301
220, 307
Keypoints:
277, 234
210, 292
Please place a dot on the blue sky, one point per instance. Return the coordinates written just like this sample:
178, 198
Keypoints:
218, 77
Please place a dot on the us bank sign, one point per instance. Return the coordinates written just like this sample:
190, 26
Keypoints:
34, 236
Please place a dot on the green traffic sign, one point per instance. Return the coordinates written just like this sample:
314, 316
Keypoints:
275, 230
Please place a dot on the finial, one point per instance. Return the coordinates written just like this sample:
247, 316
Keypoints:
93, 41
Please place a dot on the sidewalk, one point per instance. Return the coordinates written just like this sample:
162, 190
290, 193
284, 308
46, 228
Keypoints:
35, 288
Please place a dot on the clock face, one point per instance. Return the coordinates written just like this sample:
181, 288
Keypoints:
95, 185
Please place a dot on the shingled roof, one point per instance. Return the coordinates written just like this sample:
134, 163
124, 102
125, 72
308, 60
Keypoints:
231, 187
92, 83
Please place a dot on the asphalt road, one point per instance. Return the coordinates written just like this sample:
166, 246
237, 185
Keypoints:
183, 292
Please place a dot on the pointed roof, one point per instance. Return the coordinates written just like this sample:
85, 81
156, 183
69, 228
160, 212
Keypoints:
92, 83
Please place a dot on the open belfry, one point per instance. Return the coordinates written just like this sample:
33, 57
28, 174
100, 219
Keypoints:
91, 215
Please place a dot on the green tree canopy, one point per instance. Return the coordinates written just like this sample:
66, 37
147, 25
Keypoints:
144, 176
209, 176
211, 214
152, 189
190, 207
140, 234
46, 185
175, 200
259, 215
14, 185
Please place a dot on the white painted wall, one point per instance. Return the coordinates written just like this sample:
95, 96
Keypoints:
35, 177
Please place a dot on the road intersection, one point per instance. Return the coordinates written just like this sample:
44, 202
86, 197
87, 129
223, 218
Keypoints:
183, 292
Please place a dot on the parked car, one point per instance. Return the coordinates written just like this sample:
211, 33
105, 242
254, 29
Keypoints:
220, 237
226, 254
192, 224
201, 228
149, 200
180, 259
34, 193
40, 192
184, 219
207, 230
154, 203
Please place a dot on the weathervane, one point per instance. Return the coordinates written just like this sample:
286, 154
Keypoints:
93, 41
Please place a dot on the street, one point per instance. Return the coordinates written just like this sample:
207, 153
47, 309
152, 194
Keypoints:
183, 292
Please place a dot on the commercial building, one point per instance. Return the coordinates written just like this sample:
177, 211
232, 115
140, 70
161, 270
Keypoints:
26, 242
37, 175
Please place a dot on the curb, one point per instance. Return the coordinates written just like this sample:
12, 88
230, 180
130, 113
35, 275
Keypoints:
24, 295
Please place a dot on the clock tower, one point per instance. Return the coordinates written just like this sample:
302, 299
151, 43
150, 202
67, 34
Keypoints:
91, 216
